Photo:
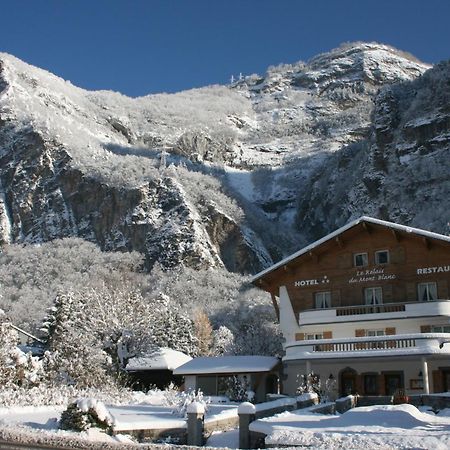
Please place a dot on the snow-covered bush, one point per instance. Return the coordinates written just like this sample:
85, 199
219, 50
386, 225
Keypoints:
186, 398
85, 413
311, 384
237, 388
16, 367
62, 395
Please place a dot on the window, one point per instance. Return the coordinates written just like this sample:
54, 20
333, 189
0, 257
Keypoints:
382, 257
373, 296
323, 299
427, 292
440, 329
360, 259
313, 336
375, 333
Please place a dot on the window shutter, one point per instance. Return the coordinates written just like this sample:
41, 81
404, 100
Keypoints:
389, 331
398, 255
344, 261
299, 336
442, 290
327, 334
425, 328
360, 333
411, 294
335, 298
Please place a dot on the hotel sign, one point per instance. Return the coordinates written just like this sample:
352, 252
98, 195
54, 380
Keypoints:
368, 275
312, 282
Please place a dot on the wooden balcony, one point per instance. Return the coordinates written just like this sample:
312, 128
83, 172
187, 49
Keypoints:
369, 312
370, 309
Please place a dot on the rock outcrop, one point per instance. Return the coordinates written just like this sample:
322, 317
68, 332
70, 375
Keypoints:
232, 176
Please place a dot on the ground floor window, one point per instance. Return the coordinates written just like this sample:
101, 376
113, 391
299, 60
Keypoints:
427, 292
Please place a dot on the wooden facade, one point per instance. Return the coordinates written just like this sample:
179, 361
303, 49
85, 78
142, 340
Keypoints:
367, 305
330, 268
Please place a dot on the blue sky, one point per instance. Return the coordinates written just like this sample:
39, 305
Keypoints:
139, 47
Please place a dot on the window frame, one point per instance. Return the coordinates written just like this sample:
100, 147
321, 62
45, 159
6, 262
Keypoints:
427, 291
366, 259
315, 338
373, 288
382, 263
322, 293
433, 328
378, 332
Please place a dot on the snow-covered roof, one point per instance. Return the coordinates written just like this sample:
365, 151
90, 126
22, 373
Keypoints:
161, 359
227, 364
395, 226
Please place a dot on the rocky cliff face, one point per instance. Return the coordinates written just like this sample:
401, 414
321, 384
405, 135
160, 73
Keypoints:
209, 177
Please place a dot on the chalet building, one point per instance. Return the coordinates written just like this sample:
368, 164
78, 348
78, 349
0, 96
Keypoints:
367, 305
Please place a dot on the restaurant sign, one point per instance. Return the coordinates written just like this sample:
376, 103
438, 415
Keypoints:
436, 269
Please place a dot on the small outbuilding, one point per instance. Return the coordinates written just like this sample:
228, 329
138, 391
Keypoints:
156, 369
214, 375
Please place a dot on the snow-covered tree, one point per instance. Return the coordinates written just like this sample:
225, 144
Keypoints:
223, 341
203, 333
173, 328
8, 348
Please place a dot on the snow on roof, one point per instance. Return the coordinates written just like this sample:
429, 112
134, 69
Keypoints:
395, 226
161, 359
227, 364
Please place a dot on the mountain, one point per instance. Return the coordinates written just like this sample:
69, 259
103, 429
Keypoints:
226, 176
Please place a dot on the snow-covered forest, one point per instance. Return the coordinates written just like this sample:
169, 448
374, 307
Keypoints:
97, 309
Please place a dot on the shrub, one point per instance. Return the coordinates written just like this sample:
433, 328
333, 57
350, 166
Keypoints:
84, 414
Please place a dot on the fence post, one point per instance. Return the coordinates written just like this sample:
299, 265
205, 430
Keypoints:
246, 412
196, 415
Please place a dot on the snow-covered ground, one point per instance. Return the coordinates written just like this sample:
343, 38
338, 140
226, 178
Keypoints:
374, 427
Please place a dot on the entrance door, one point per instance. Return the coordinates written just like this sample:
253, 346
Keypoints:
393, 382
446, 379
348, 382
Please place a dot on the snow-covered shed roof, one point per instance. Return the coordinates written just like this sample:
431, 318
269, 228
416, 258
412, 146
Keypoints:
334, 234
227, 364
161, 359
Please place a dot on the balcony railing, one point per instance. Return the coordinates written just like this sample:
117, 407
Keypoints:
383, 311
387, 344
404, 344
369, 309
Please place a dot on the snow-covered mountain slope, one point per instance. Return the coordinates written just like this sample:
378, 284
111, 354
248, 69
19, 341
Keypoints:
209, 177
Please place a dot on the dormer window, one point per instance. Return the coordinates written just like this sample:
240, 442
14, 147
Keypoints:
382, 257
360, 259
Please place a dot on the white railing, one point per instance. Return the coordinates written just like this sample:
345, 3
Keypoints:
365, 345
420, 343
383, 311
